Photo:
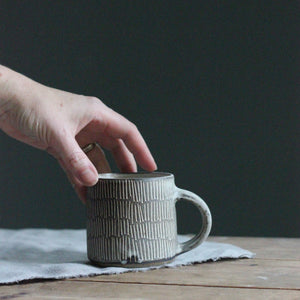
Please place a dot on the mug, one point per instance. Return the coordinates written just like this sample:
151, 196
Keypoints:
131, 220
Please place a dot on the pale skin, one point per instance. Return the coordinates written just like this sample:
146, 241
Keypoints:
61, 123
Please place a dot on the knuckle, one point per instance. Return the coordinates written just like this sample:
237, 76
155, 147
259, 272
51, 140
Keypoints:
94, 100
132, 129
95, 106
130, 125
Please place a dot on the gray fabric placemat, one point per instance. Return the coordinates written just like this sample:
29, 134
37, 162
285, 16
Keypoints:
27, 254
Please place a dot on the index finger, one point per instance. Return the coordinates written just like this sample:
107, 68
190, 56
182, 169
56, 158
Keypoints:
118, 127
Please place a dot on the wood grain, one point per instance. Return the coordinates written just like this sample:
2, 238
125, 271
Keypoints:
238, 273
273, 274
266, 248
101, 290
267, 270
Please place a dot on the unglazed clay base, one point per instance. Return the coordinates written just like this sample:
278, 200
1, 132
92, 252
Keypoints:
145, 264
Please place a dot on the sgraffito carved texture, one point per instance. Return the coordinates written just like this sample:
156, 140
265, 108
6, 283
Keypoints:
131, 221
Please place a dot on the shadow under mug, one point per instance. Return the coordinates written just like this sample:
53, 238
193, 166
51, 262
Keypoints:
131, 219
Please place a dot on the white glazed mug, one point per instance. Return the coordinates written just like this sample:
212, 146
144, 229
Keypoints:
131, 219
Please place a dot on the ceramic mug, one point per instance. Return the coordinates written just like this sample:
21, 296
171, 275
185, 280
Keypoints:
131, 219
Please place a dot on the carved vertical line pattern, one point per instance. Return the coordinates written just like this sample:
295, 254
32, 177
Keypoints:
131, 220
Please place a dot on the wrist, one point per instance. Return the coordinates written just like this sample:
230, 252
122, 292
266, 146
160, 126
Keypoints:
14, 92
5, 93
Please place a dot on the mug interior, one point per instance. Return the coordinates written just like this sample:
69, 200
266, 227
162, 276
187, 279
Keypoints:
134, 176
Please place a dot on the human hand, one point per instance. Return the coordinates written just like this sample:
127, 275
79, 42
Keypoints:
62, 123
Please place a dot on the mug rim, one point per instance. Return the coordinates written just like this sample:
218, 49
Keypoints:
135, 176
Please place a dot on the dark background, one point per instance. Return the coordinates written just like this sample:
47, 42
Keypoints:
212, 85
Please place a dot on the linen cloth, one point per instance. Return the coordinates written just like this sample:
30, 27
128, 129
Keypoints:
27, 254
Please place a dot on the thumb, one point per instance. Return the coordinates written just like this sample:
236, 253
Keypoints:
76, 162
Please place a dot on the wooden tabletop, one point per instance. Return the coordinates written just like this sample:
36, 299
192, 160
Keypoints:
273, 274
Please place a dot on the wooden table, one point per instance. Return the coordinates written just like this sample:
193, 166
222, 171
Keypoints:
273, 274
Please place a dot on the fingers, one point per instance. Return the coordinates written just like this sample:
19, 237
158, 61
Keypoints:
76, 163
110, 130
78, 187
124, 158
97, 157
117, 127
73, 180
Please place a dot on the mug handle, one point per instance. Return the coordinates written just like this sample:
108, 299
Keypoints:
206, 220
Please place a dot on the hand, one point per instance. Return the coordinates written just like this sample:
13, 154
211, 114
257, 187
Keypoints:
62, 123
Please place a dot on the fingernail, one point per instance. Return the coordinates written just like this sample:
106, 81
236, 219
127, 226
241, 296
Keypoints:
155, 166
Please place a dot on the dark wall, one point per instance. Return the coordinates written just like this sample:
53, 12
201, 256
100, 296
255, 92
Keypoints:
212, 86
